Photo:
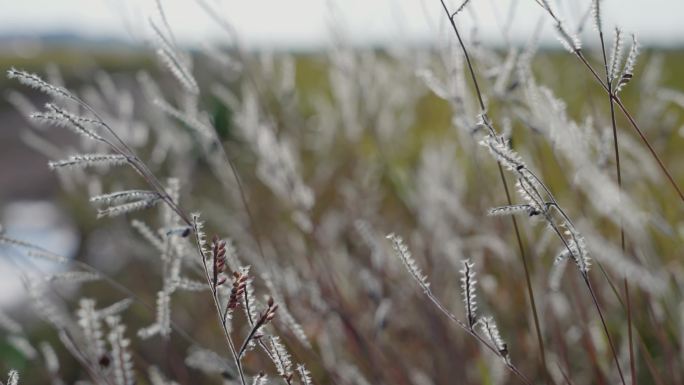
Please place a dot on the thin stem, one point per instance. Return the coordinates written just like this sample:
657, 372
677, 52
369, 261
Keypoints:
632, 362
229, 339
133, 159
618, 171
466, 55
566, 378
245, 343
585, 277
523, 258
243, 197
647, 355
471, 331
664, 169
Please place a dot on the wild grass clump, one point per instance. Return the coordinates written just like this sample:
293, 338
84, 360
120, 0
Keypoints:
241, 219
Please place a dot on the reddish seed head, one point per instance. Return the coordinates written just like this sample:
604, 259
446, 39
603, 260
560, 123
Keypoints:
270, 312
238, 289
218, 249
104, 360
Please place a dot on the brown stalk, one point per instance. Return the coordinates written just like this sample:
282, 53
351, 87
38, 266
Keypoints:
605, 327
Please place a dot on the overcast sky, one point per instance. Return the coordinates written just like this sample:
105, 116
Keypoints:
306, 23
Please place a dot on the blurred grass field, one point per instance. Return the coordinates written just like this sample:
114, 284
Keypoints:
558, 70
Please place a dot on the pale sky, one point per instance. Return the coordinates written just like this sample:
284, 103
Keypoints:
305, 23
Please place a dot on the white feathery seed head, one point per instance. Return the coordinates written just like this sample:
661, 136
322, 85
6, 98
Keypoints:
89, 160
122, 360
404, 254
91, 327
126, 208
501, 150
468, 291
510, 210
615, 55
630, 63
13, 377
260, 379
62, 118
304, 375
570, 42
201, 236
281, 357
115, 308
36, 82
490, 330
124, 196
596, 14
577, 249
73, 277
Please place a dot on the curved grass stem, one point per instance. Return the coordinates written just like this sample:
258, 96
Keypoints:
530, 291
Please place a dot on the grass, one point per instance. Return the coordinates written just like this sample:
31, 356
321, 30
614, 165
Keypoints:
304, 170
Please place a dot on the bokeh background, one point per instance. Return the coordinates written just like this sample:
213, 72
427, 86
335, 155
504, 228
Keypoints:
87, 43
